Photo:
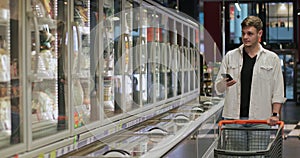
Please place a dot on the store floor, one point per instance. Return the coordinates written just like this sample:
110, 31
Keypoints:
291, 116
291, 145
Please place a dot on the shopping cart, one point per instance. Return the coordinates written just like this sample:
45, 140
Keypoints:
249, 138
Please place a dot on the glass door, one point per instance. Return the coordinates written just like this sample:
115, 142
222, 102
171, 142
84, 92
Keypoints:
142, 54
11, 106
165, 47
152, 47
110, 21
171, 59
138, 55
288, 70
155, 57
277, 17
179, 55
127, 55
279, 22
84, 61
186, 55
45, 53
120, 84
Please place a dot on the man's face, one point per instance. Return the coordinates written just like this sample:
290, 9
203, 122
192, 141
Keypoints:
250, 36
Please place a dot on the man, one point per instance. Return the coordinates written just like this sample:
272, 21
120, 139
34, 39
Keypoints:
256, 91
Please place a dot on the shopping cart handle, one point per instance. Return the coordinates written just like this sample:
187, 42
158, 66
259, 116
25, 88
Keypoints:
223, 122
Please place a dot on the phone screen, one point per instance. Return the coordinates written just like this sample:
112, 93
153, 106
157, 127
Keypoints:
229, 78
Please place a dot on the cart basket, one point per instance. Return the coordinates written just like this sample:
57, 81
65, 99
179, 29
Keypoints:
249, 138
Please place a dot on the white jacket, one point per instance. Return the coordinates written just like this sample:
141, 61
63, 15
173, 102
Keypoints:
267, 84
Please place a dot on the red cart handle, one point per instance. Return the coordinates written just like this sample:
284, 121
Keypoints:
223, 122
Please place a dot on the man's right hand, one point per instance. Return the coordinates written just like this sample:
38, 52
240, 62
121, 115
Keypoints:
230, 83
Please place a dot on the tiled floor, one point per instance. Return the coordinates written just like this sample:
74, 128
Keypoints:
291, 117
290, 112
292, 130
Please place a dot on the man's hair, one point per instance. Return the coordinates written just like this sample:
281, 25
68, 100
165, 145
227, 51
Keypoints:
252, 21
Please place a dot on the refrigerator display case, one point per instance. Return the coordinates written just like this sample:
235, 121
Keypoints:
69, 68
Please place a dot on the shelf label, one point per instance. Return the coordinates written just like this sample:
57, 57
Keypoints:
53, 154
41, 155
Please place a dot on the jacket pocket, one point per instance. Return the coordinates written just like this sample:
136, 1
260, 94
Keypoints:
233, 71
266, 72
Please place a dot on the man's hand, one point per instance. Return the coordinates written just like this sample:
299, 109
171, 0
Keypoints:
272, 121
230, 83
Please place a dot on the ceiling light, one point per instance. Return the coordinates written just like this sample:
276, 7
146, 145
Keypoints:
237, 5
282, 7
115, 18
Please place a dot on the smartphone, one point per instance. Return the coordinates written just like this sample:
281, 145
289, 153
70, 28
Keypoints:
229, 78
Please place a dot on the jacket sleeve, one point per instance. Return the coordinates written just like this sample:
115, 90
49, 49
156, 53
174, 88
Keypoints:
278, 83
220, 83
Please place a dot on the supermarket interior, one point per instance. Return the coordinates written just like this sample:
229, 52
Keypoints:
135, 78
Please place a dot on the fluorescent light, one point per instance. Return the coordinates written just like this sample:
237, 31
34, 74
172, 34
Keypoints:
237, 5
115, 18
298, 13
